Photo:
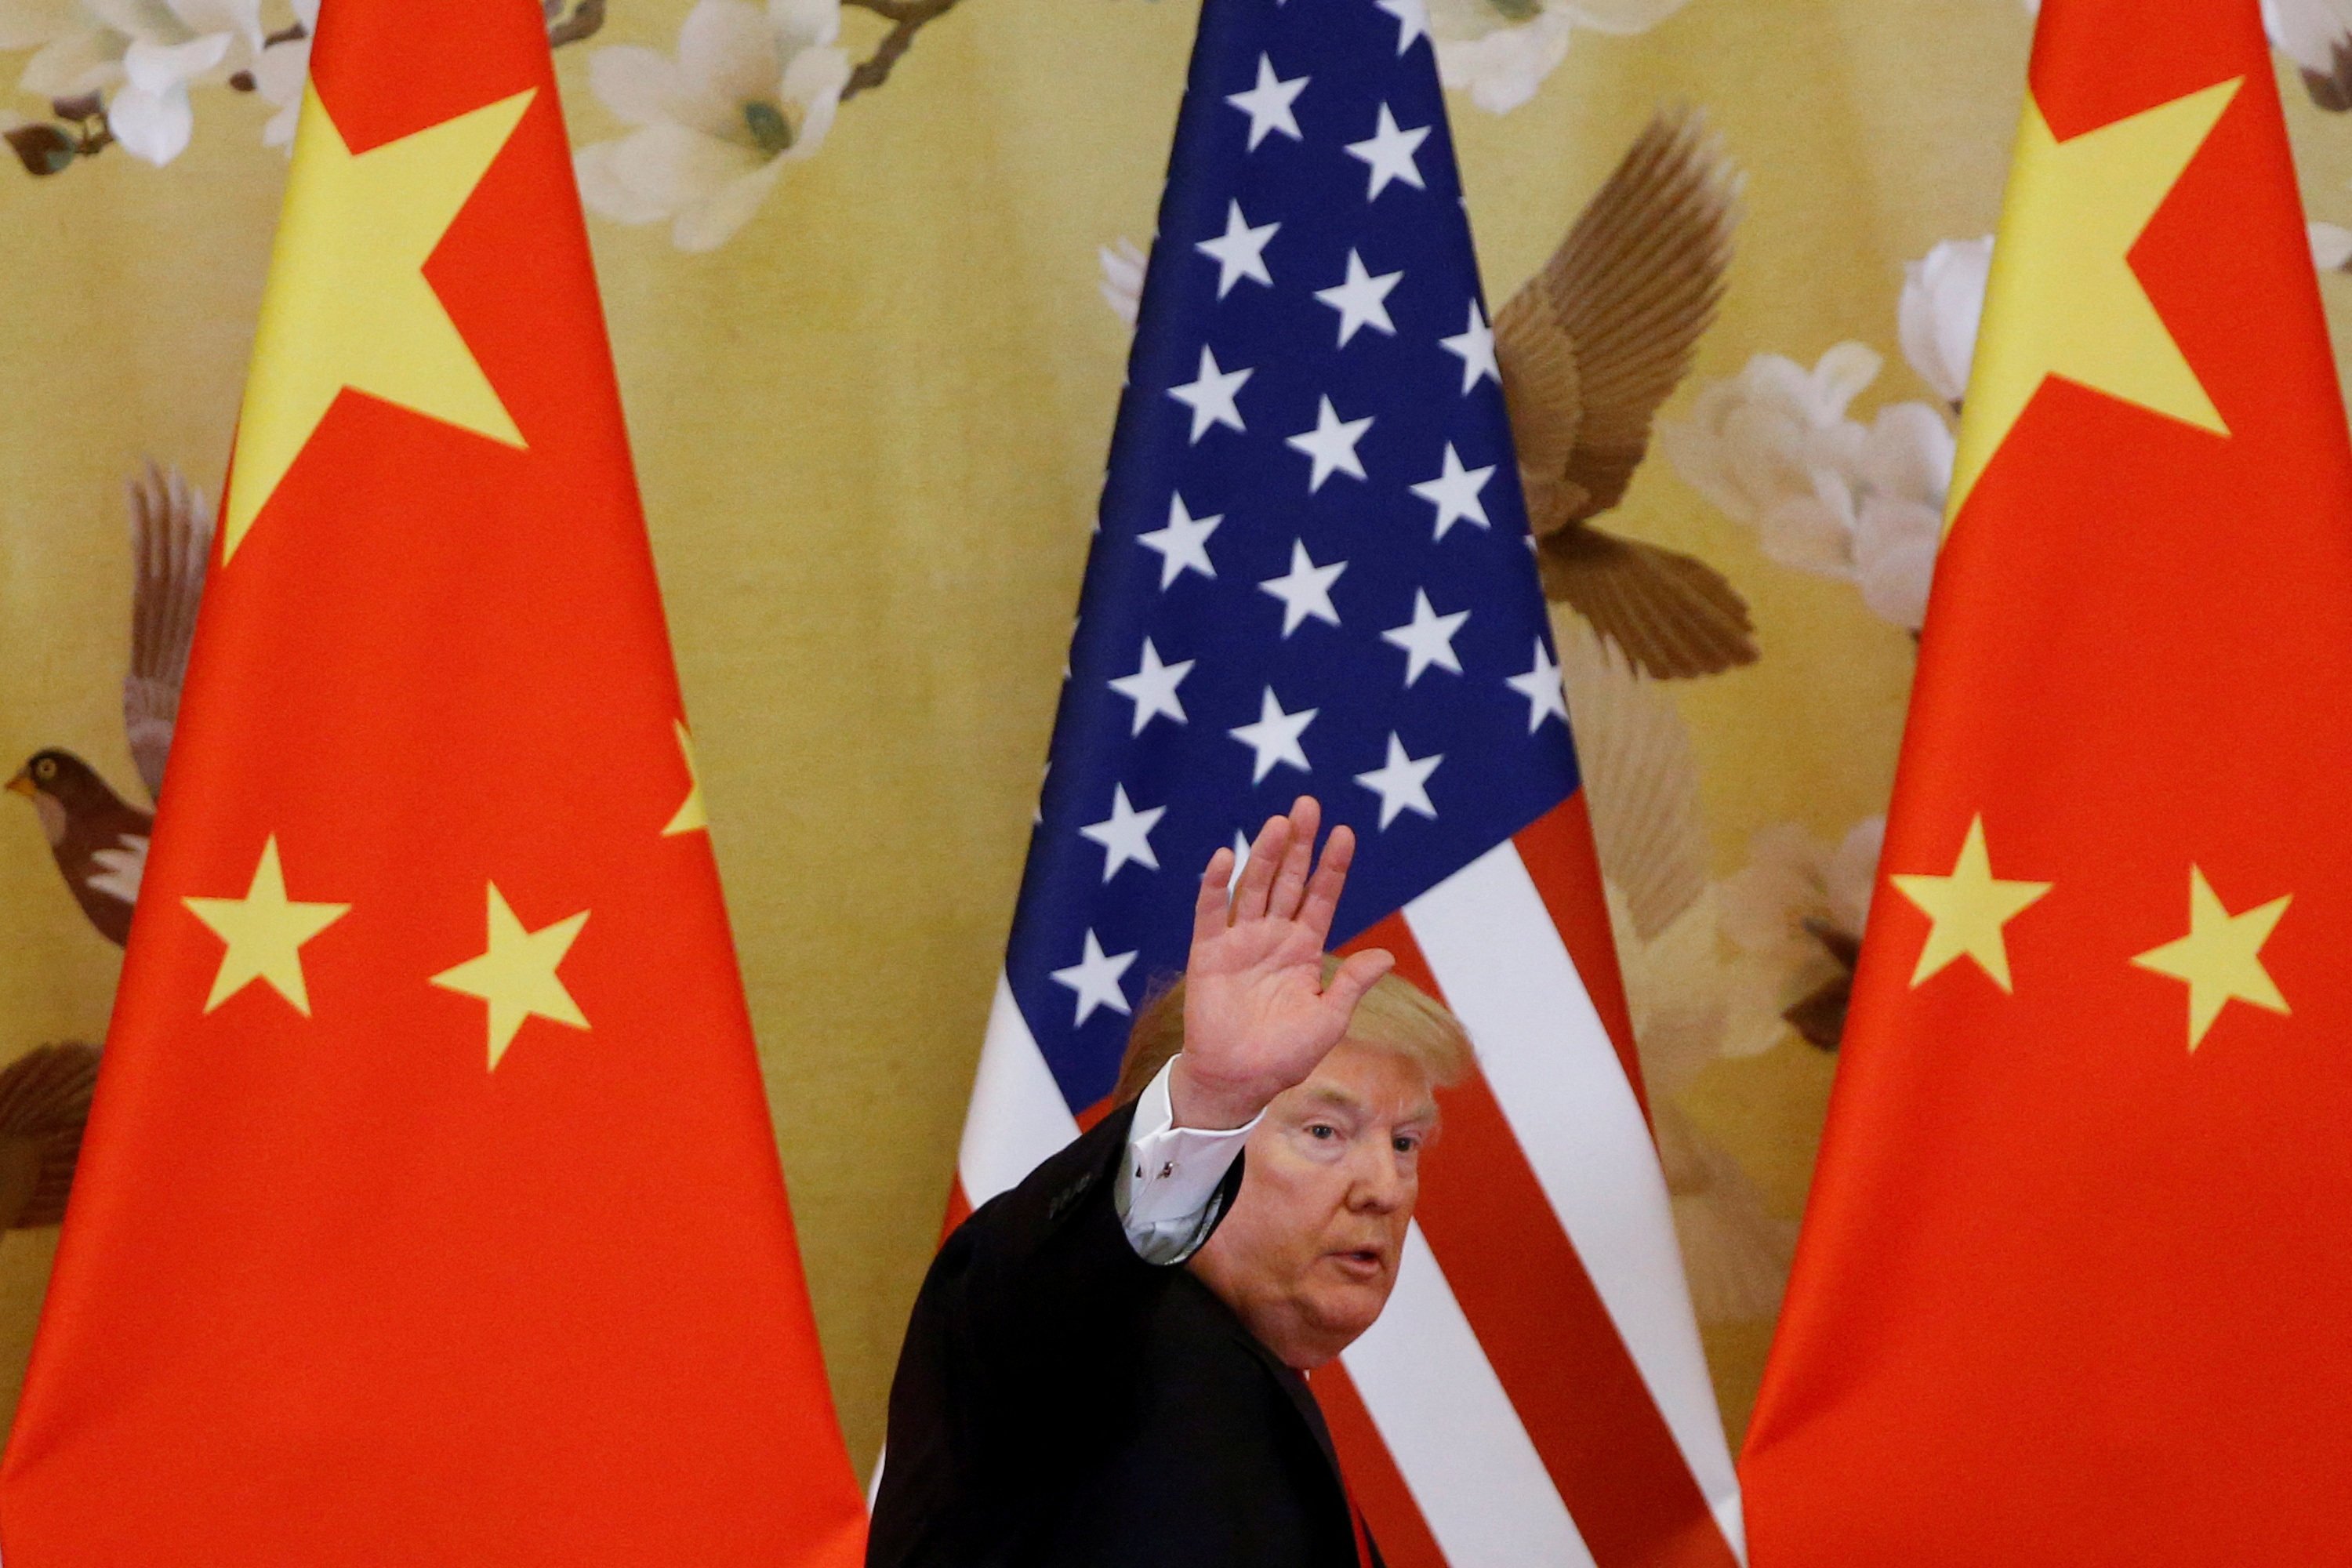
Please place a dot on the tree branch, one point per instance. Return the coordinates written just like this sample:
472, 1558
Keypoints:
907, 17
81, 130
586, 17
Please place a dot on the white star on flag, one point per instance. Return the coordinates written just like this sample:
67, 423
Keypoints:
1152, 688
1094, 977
1402, 782
1427, 639
1454, 492
1268, 104
1388, 151
1540, 686
1413, 20
1240, 251
1210, 396
1125, 835
1305, 590
1183, 544
1475, 346
1332, 445
1361, 299
1274, 737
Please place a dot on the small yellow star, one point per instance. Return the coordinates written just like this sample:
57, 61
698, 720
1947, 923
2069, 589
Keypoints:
2221, 958
265, 932
690, 815
2062, 298
517, 974
1969, 909
347, 303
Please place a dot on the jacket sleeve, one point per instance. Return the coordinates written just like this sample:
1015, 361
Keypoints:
1039, 1296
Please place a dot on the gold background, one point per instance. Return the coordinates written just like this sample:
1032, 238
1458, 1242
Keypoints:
870, 430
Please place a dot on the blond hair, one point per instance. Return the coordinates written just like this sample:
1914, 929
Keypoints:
1395, 1016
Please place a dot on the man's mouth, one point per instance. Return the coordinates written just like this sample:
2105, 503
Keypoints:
1363, 1264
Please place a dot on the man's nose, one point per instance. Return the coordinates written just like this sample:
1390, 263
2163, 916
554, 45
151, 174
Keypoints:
1379, 1183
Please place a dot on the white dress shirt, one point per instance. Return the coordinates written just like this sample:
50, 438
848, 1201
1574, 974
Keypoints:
1167, 1190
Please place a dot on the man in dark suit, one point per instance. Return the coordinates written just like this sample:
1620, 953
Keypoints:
1104, 1366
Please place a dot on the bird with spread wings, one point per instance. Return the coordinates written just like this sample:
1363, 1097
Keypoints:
1589, 348
97, 838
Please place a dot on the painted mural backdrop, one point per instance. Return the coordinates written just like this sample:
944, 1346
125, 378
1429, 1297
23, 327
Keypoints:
870, 266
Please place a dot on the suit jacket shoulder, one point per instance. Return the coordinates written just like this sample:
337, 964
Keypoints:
1059, 1401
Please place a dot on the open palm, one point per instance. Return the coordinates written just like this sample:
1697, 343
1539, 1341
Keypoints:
1259, 1016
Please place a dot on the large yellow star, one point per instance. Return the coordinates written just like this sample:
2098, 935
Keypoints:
1967, 910
265, 932
2064, 300
691, 816
517, 974
347, 304
2221, 958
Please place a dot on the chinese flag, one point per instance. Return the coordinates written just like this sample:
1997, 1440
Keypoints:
429, 1210
2076, 1282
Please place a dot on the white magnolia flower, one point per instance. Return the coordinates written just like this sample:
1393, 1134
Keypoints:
145, 54
749, 91
1907, 470
1943, 302
1123, 263
2331, 247
2316, 35
71, 53
1773, 447
280, 75
1761, 911
1501, 50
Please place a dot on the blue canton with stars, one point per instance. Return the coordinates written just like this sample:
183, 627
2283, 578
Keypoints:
1312, 571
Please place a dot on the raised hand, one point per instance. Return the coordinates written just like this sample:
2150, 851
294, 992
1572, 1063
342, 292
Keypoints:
1258, 1016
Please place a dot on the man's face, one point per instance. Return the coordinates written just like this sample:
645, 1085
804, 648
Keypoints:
1309, 1253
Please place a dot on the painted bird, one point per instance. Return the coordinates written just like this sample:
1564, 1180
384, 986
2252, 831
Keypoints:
99, 838
1589, 348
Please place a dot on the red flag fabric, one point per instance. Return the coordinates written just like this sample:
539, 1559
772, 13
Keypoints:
429, 1208
2071, 1283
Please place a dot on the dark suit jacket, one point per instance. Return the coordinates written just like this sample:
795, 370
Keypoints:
1062, 1404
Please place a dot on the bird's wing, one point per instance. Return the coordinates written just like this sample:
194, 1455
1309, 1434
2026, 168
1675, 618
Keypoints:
121, 869
44, 1103
1595, 341
1672, 615
1543, 395
1735, 1251
1641, 782
170, 545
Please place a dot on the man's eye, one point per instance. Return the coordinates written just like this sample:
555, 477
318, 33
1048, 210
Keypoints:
1324, 1131
1408, 1145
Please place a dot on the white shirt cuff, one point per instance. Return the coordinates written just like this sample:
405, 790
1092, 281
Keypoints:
1167, 1189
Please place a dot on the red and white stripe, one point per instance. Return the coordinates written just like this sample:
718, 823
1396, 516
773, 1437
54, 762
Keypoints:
1534, 1392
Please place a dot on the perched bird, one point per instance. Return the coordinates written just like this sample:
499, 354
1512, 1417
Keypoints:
1588, 349
44, 1104
99, 838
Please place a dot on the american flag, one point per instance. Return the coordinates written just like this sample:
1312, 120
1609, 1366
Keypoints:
1312, 573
